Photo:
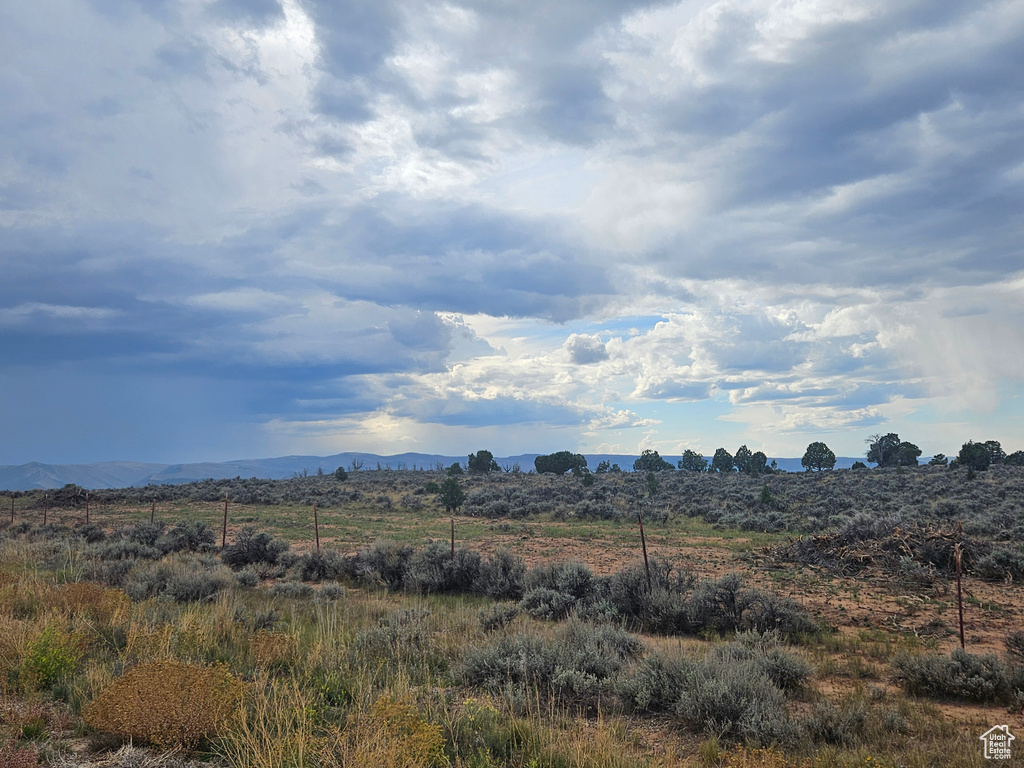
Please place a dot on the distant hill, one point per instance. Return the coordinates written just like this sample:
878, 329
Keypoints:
108, 474
123, 474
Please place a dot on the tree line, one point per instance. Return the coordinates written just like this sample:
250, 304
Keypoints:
884, 451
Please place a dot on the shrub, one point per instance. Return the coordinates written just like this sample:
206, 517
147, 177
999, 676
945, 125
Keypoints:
961, 675
143, 533
661, 608
789, 672
572, 578
482, 736
193, 586
401, 639
662, 611
187, 536
52, 532
434, 569
501, 577
411, 501
252, 547
486, 502
770, 612
553, 590
1016, 680
547, 604
841, 726
318, 566
735, 700
166, 703
385, 562
330, 592
403, 630
521, 660
145, 581
590, 509
761, 652
1000, 563
656, 684
51, 658
190, 580
124, 549
714, 605
577, 664
598, 648
738, 689
723, 605
13, 756
498, 616
112, 573
91, 533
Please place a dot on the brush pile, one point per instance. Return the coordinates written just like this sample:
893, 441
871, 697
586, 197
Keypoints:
881, 544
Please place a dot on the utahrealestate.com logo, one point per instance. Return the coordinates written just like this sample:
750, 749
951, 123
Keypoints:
997, 742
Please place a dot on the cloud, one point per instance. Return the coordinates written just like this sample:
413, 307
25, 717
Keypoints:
585, 349
246, 299
73, 318
661, 388
592, 218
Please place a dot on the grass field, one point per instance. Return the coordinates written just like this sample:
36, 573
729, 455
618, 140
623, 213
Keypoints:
805, 620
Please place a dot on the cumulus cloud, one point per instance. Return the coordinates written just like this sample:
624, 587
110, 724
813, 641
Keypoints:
585, 349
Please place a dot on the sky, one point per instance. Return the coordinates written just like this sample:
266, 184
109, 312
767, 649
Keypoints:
248, 228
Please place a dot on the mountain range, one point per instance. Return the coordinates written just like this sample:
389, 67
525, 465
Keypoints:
123, 474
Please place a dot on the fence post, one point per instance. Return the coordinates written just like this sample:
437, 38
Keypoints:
957, 555
453, 537
643, 544
12, 509
316, 527
152, 512
46, 507
86, 507
224, 533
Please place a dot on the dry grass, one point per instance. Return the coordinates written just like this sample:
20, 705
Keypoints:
392, 734
91, 601
274, 650
14, 636
273, 729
